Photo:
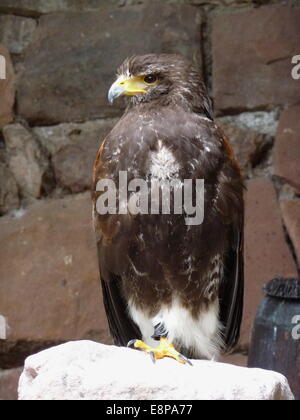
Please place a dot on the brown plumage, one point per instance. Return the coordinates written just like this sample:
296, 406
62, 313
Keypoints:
159, 276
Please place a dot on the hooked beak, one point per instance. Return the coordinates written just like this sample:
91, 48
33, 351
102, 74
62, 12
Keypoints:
125, 86
115, 91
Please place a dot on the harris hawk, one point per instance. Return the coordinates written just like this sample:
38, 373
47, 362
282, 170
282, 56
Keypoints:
163, 279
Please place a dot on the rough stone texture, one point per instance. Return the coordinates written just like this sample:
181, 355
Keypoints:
7, 89
252, 61
250, 147
287, 192
9, 380
287, 147
210, 2
73, 148
9, 197
86, 370
261, 121
16, 32
38, 7
26, 160
66, 77
55, 271
266, 252
71, 161
54, 138
291, 216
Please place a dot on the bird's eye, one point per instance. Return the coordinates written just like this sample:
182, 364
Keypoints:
150, 79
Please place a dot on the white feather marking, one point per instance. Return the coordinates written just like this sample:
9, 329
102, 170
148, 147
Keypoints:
204, 118
144, 323
200, 335
137, 272
215, 275
163, 163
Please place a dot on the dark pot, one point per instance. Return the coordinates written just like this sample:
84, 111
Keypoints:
275, 343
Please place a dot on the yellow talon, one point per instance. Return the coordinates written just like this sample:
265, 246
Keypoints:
164, 349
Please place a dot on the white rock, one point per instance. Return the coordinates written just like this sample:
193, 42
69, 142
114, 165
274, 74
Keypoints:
26, 160
54, 138
85, 370
265, 122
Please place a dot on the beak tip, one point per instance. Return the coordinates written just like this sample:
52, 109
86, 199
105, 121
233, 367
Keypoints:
110, 98
115, 91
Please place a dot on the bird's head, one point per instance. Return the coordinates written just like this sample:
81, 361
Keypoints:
164, 77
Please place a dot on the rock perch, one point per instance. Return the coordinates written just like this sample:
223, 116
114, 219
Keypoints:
85, 370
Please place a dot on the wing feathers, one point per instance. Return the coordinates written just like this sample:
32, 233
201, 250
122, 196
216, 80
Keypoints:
122, 328
231, 293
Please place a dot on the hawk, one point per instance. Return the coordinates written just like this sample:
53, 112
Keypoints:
164, 279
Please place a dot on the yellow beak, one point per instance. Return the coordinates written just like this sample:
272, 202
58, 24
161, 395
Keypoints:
126, 86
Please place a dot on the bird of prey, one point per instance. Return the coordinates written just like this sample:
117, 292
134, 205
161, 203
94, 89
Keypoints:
170, 288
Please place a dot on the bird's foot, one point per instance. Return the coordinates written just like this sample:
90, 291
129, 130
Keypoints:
165, 349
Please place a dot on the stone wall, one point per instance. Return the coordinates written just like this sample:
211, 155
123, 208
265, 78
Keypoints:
60, 60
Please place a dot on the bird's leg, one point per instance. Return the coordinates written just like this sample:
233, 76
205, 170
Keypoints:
164, 349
